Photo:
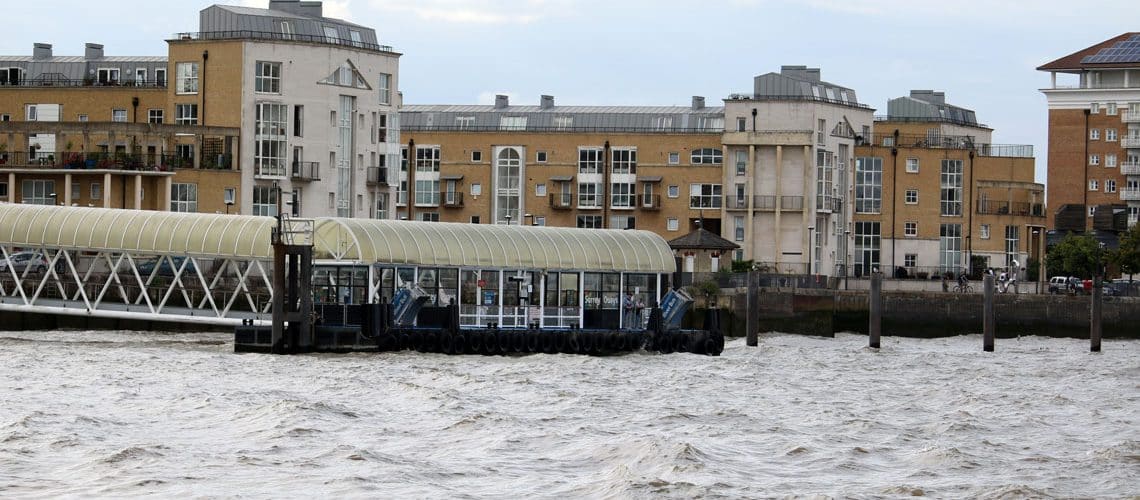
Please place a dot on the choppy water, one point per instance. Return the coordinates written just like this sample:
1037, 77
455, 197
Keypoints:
146, 414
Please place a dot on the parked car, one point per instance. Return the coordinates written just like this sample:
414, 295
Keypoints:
22, 261
146, 268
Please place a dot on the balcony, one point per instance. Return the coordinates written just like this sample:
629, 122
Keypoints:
1130, 168
1128, 117
1017, 208
50, 160
306, 171
764, 202
377, 176
452, 199
1130, 195
792, 203
733, 202
1131, 141
562, 201
828, 204
649, 201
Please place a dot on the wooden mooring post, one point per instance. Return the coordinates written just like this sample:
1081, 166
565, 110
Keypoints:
876, 298
752, 323
988, 320
1095, 316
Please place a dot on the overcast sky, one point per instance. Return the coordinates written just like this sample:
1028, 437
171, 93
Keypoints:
662, 52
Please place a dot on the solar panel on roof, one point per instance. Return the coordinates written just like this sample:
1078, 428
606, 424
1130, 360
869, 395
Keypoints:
1125, 51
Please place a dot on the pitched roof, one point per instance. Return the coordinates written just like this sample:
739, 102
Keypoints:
1075, 61
702, 239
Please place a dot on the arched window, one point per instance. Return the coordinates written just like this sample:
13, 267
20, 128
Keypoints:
508, 173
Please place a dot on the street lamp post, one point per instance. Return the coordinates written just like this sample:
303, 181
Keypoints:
811, 247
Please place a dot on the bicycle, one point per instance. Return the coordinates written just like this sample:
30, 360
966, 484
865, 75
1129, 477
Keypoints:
963, 289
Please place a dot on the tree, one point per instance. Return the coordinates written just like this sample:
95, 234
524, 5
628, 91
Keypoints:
1127, 257
1080, 256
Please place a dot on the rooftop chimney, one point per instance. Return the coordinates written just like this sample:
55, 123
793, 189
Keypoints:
800, 72
546, 102
698, 103
307, 9
41, 51
93, 51
502, 101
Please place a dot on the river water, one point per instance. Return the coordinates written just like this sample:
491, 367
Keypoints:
115, 414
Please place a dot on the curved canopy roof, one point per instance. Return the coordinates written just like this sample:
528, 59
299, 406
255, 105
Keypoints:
357, 240
494, 246
140, 231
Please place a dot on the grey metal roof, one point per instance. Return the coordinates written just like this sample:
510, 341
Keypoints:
909, 107
254, 11
662, 119
81, 59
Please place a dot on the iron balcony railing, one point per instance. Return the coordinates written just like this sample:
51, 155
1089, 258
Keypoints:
734, 202
453, 199
753, 97
273, 35
963, 142
1130, 168
377, 176
1131, 141
104, 161
649, 201
405, 126
59, 80
793, 203
1018, 208
925, 119
765, 202
828, 203
1130, 117
562, 201
306, 171
1130, 195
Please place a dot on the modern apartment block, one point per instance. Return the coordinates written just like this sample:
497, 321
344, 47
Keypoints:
1094, 136
790, 144
656, 168
258, 101
932, 194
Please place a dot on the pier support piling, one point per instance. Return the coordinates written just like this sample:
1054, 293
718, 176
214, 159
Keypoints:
988, 322
753, 320
876, 298
1095, 316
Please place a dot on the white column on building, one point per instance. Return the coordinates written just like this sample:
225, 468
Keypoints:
107, 190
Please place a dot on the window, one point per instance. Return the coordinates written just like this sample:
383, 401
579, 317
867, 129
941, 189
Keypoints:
1094, 108
186, 114
474, 219
622, 195
706, 156
331, 35
1110, 134
229, 195
11, 76
265, 201
298, 121
1094, 134
1110, 185
911, 196
429, 216
385, 86
738, 227
623, 161
868, 185
118, 115
382, 127
664, 122
821, 127
540, 157
1093, 185
96, 191
38, 192
154, 116
674, 158
951, 182
704, 195
269, 141
671, 224
1110, 108
512, 123
296, 201
910, 260
867, 243
741, 162
81, 118
160, 77
623, 222
985, 231
427, 193
1092, 210
674, 191
186, 74
354, 35
1094, 159
476, 156
912, 165
267, 80
589, 160
950, 247
1110, 160
76, 192
464, 122
540, 189
4, 191
741, 124
590, 221
108, 76
5, 117
1012, 239
588, 195
476, 189
539, 220
910, 229
183, 197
